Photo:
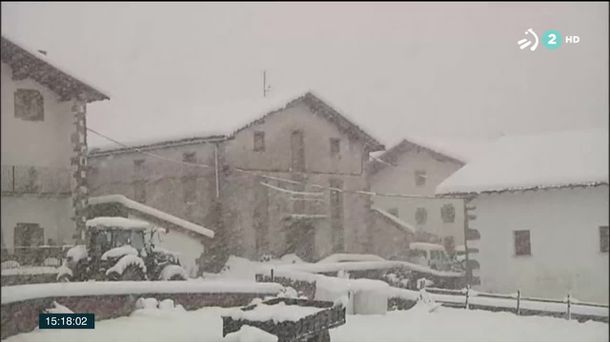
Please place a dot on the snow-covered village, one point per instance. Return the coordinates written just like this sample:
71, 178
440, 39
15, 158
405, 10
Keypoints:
304, 172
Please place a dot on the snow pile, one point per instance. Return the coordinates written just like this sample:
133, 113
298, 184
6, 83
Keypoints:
170, 271
288, 292
76, 253
118, 222
342, 257
279, 312
444, 324
547, 160
291, 259
451, 324
144, 209
9, 264
425, 301
249, 334
147, 303
58, 309
118, 251
125, 261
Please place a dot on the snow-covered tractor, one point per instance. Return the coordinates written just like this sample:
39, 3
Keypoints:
118, 248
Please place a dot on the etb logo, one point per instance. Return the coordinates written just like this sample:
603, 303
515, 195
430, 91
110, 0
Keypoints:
550, 39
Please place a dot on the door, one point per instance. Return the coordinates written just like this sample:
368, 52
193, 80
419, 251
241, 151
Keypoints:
300, 240
297, 147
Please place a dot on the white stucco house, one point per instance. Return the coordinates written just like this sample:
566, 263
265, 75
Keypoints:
541, 207
44, 188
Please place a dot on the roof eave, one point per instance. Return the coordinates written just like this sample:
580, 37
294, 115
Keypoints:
42, 68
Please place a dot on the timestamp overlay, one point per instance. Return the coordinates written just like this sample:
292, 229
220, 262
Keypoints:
66, 321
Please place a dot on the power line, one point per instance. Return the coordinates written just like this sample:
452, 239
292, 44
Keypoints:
251, 173
147, 153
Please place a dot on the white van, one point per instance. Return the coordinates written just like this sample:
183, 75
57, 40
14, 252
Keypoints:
429, 254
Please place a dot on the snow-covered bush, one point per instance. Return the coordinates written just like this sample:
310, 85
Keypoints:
147, 303
173, 271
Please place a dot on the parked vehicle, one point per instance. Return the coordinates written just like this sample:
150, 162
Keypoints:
429, 254
120, 249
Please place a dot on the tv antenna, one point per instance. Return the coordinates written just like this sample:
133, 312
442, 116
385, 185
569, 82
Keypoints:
266, 87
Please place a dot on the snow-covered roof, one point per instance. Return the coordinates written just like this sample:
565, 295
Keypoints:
458, 149
346, 257
547, 160
228, 119
117, 222
395, 220
426, 246
26, 63
150, 211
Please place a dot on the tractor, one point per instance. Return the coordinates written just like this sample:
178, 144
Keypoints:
118, 248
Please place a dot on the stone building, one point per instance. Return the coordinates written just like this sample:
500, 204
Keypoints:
285, 182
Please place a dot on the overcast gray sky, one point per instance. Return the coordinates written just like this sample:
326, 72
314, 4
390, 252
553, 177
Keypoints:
397, 69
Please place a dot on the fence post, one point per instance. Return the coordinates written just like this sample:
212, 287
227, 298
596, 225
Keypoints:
569, 316
466, 304
518, 301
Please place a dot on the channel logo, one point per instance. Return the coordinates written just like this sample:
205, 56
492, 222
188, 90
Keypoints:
550, 39
525, 42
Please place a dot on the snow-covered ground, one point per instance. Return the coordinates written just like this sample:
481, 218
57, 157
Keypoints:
417, 324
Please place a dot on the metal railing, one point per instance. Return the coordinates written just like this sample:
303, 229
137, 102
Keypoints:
27, 179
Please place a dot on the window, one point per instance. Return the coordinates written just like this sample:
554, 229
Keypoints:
29, 105
420, 177
393, 211
603, 239
421, 215
32, 183
297, 148
138, 165
28, 234
189, 188
448, 213
259, 141
139, 189
335, 147
189, 157
522, 242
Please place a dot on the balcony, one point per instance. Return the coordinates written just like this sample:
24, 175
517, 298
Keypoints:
41, 180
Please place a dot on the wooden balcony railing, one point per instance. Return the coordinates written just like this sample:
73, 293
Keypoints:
25, 179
